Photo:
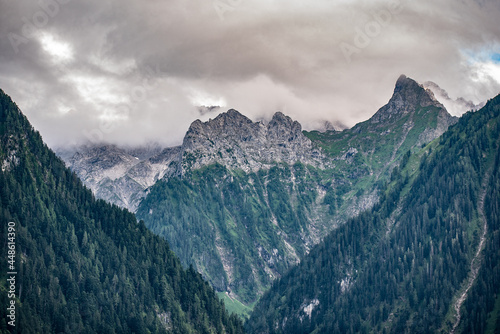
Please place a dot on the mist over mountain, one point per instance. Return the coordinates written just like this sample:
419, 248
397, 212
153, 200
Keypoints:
456, 106
258, 167
387, 226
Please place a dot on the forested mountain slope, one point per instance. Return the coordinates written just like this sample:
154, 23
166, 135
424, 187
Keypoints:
83, 265
406, 265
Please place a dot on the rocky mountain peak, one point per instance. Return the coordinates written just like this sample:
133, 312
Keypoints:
231, 118
403, 82
283, 128
235, 141
280, 118
408, 96
231, 125
410, 89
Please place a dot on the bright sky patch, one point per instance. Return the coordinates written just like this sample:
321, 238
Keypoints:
59, 50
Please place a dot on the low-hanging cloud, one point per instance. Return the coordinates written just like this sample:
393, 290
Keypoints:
131, 72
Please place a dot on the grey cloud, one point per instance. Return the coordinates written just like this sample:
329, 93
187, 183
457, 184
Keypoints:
142, 61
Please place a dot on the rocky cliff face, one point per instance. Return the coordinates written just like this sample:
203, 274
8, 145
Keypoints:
118, 175
407, 97
236, 142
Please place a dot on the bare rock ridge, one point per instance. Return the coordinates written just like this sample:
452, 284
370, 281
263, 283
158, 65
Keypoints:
455, 106
118, 175
234, 141
242, 229
413, 100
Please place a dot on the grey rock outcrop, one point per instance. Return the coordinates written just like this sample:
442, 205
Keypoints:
234, 141
117, 175
407, 97
123, 176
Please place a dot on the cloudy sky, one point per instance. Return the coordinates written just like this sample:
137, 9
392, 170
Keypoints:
131, 72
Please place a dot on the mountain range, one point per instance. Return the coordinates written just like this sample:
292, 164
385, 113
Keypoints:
243, 201
391, 226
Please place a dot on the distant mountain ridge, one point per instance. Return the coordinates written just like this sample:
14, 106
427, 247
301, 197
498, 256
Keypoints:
243, 227
118, 175
123, 177
456, 106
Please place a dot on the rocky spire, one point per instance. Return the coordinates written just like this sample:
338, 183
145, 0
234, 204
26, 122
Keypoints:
407, 97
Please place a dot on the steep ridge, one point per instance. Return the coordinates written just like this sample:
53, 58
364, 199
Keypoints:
412, 117
123, 176
83, 265
397, 267
236, 142
251, 199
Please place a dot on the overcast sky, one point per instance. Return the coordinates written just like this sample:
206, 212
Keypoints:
131, 72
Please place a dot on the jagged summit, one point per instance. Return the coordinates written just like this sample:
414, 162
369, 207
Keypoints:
231, 139
235, 141
230, 119
409, 88
410, 107
456, 106
280, 119
283, 127
408, 96
232, 116
403, 81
